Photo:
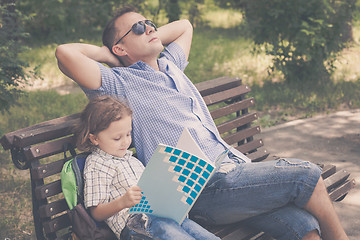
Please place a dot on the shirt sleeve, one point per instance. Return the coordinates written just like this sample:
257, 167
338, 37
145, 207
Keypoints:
96, 187
111, 83
175, 54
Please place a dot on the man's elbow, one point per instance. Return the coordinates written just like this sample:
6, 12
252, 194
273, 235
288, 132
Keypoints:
188, 25
60, 52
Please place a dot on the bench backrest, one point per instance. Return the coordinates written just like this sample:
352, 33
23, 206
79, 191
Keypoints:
40, 148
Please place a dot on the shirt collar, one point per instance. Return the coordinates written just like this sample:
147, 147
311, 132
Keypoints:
140, 65
126, 157
163, 66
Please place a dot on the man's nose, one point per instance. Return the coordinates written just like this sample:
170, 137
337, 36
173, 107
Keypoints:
149, 29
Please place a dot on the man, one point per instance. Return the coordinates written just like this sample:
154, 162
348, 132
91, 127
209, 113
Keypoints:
286, 198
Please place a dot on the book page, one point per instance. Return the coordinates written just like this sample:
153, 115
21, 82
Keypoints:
188, 144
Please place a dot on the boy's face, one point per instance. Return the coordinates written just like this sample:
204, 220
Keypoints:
116, 139
137, 47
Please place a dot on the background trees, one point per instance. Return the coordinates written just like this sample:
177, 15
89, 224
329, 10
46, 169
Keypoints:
303, 37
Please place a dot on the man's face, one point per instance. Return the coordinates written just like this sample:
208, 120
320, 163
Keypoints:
146, 46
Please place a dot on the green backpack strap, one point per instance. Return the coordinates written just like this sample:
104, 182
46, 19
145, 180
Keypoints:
68, 184
68, 180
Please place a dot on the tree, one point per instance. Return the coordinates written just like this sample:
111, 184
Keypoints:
173, 10
12, 69
303, 37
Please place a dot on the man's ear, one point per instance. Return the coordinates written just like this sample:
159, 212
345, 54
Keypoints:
119, 51
92, 138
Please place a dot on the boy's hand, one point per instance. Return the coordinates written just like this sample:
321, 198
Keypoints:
132, 196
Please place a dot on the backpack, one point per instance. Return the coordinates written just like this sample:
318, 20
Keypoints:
83, 225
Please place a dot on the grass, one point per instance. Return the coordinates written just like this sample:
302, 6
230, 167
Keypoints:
39, 106
222, 49
15, 189
15, 195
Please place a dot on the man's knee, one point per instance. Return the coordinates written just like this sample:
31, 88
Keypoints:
313, 235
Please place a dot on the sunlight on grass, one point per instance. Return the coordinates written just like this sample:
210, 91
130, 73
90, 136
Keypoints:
347, 64
221, 18
251, 68
44, 58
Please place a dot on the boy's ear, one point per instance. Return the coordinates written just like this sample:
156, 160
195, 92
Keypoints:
92, 138
119, 51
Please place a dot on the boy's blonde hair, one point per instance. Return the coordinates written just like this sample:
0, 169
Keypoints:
97, 116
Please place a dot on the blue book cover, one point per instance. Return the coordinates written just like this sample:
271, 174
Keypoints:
173, 179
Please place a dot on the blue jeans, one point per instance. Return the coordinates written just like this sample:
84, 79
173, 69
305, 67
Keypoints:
269, 196
143, 226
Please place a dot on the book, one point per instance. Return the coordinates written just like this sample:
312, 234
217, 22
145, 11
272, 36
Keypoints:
174, 178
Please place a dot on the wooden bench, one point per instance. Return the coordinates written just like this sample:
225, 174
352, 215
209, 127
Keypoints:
39, 148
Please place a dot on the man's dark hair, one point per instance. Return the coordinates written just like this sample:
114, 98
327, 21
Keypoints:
110, 31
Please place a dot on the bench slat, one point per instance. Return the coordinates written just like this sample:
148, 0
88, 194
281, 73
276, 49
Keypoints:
217, 85
336, 179
260, 154
328, 170
44, 134
56, 224
241, 135
250, 146
232, 108
342, 190
48, 190
7, 141
53, 208
48, 149
46, 170
237, 122
226, 95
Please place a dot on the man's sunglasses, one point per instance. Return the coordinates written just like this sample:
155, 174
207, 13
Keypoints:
139, 28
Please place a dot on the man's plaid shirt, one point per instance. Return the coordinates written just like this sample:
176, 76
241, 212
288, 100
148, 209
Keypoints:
108, 177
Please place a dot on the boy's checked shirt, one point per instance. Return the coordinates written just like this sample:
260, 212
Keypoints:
106, 178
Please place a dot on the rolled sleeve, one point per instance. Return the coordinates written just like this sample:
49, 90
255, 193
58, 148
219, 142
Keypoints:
175, 54
111, 83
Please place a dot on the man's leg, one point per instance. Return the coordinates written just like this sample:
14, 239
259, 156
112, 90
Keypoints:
153, 227
256, 188
197, 231
322, 208
289, 222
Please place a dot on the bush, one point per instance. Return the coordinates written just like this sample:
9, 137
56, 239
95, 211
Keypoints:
12, 69
302, 36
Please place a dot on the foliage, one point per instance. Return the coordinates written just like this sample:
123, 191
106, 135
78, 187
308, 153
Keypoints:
59, 20
173, 10
302, 36
12, 68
